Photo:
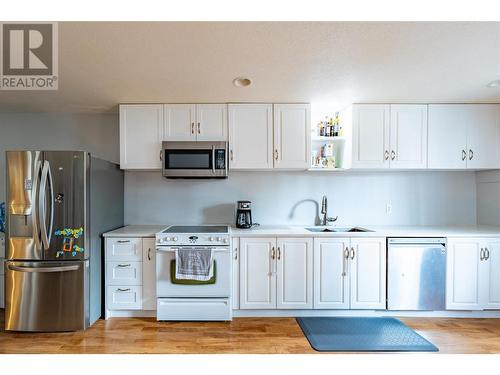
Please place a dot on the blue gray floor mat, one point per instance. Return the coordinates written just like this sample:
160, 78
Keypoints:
353, 334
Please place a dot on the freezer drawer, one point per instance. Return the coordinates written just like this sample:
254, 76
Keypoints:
416, 275
46, 296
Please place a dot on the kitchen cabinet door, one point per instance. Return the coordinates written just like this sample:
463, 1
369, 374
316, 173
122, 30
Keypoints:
211, 122
148, 274
368, 273
294, 258
491, 275
464, 269
292, 136
141, 133
483, 136
408, 136
447, 136
371, 136
250, 136
235, 295
331, 276
180, 122
257, 273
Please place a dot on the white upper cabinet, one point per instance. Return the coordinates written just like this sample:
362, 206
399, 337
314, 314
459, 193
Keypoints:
483, 136
370, 136
331, 279
408, 136
464, 136
201, 122
294, 258
250, 136
141, 133
211, 122
389, 136
447, 136
292, 136
180, 122
368, 273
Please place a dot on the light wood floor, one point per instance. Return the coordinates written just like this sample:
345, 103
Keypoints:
242, 335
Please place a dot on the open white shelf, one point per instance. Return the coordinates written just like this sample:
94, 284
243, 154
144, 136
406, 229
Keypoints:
318, 138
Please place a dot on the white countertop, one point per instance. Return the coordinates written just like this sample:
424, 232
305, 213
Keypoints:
377, 231
300, 231
136, 231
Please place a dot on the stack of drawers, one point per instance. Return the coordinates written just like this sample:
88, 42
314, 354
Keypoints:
130, 274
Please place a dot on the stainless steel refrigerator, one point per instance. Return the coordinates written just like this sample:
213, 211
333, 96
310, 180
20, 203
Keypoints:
58, 205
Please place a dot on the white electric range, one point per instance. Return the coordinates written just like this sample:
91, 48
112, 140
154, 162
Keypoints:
189, 300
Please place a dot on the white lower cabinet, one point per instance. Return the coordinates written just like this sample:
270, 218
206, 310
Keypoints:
130, 274
473, 274
235, 292
350, 273
276, 273
148, 274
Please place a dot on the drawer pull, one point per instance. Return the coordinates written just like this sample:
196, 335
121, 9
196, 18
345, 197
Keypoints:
123, 241
123, 290
123, 265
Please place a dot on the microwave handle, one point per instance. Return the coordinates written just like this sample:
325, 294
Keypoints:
213, 159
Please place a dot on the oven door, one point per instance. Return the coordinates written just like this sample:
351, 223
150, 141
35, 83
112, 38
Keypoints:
194, 159
165, 287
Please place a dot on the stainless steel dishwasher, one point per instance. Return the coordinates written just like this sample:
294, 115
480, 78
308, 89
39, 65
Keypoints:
416, 273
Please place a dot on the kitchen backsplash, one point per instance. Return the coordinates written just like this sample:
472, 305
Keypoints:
288, 198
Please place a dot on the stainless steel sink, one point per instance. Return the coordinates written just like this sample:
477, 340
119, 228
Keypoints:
337, 230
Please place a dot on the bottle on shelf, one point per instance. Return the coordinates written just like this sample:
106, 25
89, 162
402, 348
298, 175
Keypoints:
321, 129
336, 124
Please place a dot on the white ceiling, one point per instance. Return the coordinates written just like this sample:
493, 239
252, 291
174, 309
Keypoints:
103, 64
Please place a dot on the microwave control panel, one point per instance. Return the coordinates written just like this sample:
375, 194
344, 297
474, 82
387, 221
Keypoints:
220, 159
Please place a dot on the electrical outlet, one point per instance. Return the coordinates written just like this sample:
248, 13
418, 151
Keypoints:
388, 208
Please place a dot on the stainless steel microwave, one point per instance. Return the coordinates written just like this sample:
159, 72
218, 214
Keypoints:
194, 159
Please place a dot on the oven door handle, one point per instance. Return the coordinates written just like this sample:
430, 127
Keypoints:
213, 159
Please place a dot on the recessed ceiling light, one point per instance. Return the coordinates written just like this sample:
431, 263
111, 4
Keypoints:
495, 83
242, 82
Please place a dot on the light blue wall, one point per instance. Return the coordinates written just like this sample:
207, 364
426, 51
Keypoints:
360, 198
98, 134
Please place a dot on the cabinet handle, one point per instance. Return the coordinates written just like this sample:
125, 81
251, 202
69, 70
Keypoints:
273, 254
464, 155
279, 253
235, 253
344, 263
199, 128
471, 154
161, 155
481, 254
276, 154
192, 128
487, 253
123, 265
149, 253
123, 290
393, 155
353, 253
386, 155
123, 241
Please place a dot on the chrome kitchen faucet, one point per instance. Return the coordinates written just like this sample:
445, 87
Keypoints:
324, 219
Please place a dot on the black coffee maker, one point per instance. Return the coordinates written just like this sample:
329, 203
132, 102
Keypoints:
244, 215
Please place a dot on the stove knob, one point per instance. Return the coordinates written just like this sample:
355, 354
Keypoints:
166, 239
174, 239
210, 239
218, 239
224, 240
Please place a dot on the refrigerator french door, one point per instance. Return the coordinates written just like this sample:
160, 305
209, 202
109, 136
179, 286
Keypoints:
52, 272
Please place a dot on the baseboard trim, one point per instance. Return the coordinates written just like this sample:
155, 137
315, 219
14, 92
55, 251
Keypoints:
130, 314
416, 314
